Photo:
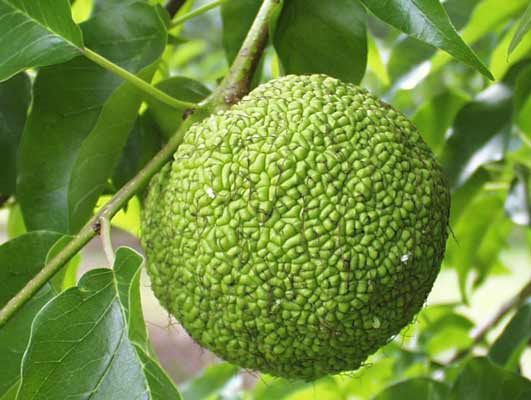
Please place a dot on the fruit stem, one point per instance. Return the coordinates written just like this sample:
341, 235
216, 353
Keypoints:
235, 85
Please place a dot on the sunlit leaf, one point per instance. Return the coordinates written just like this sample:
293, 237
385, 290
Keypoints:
486, 18
523, 29
210, 381
35, 34
427, 21
434, 117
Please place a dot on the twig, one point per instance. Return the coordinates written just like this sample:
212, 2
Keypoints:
244, 65
198, 11
173, 6
479, 334
105, 236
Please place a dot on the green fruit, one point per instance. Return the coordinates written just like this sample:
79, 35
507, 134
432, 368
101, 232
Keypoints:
299, 231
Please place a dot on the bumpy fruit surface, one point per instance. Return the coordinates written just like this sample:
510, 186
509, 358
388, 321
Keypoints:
299, 231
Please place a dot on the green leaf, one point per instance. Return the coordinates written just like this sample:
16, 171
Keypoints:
486, 18
87, 328
21, 258
408, 53
81, 118
500, 63
127, 276
479, 134
314, 36
435, 117
14, 338
523, 29
143, 143
15, 97
482, 380
237, 17
169, 118
277, 388
509, 346
15, 222
450, 331
427, 21
417, 388
211, 380
35, 34
462, 251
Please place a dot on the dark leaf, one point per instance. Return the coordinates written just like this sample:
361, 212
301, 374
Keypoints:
314, 36
427, 21
35, 34
509, 346
81, 118
143, 143
237, 17
482, 380
417, 388
15, 97
479, 135
20, 260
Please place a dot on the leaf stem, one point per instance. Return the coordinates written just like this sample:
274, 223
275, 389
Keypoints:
198, 11
136, 81
480, 333
232, 87
105, 236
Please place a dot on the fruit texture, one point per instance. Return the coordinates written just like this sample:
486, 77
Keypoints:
300, 230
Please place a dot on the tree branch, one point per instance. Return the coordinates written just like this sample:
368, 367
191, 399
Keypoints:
479, 335
173, 6
234, 86
237, 82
